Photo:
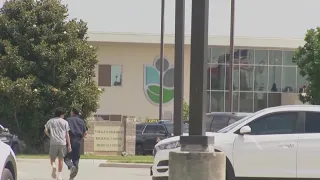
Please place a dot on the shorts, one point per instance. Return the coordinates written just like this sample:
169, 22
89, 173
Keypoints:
58, 151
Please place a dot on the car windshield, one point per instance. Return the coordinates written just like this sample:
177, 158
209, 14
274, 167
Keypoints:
231, 126
169, 127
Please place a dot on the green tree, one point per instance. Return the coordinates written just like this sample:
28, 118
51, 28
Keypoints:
307, 58
46, 62
185, 110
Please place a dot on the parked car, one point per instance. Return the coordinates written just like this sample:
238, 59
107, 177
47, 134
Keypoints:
10, 139
8, 168
148, 134
274, 143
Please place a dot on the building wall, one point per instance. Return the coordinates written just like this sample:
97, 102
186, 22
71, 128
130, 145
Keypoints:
255, 71
129, 99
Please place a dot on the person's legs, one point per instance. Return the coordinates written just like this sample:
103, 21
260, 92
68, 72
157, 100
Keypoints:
75, 145
53, 153
68, 160
62, 152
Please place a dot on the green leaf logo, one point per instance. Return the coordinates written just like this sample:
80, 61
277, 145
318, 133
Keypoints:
152, 81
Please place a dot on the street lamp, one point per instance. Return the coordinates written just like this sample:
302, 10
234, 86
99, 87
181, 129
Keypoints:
231, 57
161, 60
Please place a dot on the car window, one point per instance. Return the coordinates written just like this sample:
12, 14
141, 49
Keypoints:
312, 124
150, 129
139, 127
160, 128
277, 123
170, 128
219, 122
232, 120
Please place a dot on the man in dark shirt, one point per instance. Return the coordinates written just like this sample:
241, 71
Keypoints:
78, 131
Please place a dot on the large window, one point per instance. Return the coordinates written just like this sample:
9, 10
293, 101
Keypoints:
109, 75
261, 78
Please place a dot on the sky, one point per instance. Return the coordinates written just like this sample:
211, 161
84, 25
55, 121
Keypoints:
254, 18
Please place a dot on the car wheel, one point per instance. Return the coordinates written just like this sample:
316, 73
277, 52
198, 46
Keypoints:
6, 175
15, 148
139, 150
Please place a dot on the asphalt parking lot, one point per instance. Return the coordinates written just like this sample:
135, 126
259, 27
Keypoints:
39, 169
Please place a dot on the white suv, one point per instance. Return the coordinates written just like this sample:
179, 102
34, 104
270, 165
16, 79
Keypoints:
8, 168
277, 142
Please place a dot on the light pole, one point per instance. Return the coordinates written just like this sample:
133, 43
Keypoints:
161, 59
179, 67
231, 56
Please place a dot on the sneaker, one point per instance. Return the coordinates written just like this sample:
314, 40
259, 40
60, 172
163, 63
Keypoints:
54, 171
73, 172
60, 177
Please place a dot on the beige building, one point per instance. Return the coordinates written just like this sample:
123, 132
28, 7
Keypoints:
264, 74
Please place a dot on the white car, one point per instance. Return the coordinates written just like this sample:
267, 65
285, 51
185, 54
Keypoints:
277, 142
8, 167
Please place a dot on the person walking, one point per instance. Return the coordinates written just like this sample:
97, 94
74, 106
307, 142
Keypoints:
57, 129
78, 131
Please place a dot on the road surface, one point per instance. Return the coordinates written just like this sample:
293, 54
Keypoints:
89, 169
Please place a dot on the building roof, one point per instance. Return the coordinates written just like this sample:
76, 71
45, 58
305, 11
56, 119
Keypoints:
284, 19
213, 40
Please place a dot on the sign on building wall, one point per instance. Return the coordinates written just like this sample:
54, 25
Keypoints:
109, 138
152, 81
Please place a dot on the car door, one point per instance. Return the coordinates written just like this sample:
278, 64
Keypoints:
271, 148
308, 156
150, 136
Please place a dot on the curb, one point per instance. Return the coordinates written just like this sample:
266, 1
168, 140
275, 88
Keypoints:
126, 165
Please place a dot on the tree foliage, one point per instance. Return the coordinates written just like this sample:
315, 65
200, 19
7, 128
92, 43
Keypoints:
307, 58
45, 62
185, 110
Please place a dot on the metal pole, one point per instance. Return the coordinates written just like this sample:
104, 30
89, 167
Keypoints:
179, 67
198, 66
231, 56
161, 59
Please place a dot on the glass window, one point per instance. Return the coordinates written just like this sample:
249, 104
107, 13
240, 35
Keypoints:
260, 101
261, 78
275, 57
217, 77
246, 102
116, 75
217, 101
246, 56
312, 124
218, 54
236, 56
219, 122
261, 57
277, 123
246, 77
236, 77
289, 79
235, 101
275, 78
161, 129
287, 57
150, 129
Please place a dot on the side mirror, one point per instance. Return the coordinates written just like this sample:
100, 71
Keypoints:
245, 130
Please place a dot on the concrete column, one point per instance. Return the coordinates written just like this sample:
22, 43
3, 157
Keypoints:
197, 166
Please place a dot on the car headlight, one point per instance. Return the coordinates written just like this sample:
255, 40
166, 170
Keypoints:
170, 145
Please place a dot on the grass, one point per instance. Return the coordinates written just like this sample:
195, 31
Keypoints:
115, 159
